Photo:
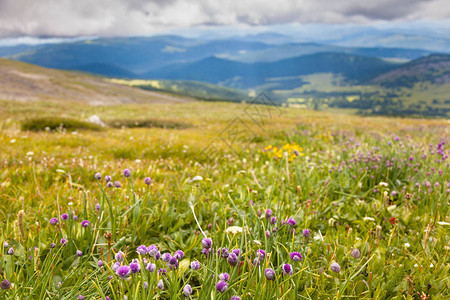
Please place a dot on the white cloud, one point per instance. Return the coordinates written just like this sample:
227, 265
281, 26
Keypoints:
141, 17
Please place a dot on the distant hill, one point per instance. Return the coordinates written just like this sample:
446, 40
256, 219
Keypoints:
26, 82
434, 69
243, 75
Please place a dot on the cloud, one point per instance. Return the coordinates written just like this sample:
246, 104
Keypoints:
143, 17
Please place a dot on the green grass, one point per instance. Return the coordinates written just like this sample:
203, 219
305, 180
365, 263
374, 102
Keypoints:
334, 188
54, 123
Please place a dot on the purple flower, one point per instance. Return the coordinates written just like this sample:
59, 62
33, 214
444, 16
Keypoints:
85, 223
236, 251
162, 272
206, 251
256, 262
65, 217
223, 252
235, 297
79, 253
268, 213
126, 173
53, 221
75, 217
291, 222
115, 266
166, 257
5, 285
142, 250
207, 243
100, 263
145, 285
178, 254
260, 254
355, 253
119, 256
268, 234
117, 184
232, 259
97, 207
287, 269
135, 267
63, 242
335, 267
224, 276
195, 265
221, 286
160, 284
110, 184
5, 245
152, 250
107, 178
98, 176
123, 271
187, 290
306, 233
80, 297
270, 274
296, 256
230, 221
151, 267
147, 180
273, 220
11, 251
157, 255
52, 245
173, 263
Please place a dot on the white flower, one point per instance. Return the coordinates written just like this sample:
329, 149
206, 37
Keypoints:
383, 183
197, 178
407, 245
368, 219
431, 265
416, 265
233, 229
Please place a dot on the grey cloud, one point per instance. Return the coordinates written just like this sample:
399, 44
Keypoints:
141, 17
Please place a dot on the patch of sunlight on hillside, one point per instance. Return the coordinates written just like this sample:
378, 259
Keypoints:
137, 82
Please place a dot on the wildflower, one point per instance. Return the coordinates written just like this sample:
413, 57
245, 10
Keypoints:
100, 263
115, 266
268, 213
110, 184
270, 274
355, 253
151, 267
123, 272
296, 256
142, 250
236, 251
195, 265
230, 221
224, 276
79, 253
147, 180
85, 223
187, 290
256, 262
80, 297
75, 217
291, 222
268, 234
306, 233
117, 184
178, 254
53, 221
145, 285
6, 285
5, 245
207, 243
10, 251
157, 255
97, 207
98, 176
223, 252
160, 284
119, 256
232, 259
162, 272
173, 263
235, 297
335, 267
63, 242
65, 217
273, 220
135, 267
152, 250
52, 245
221, 286
287, 269
126, 173
166, 257
107, 178
260, 254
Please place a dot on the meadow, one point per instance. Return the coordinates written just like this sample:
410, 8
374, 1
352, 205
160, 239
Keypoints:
243, 201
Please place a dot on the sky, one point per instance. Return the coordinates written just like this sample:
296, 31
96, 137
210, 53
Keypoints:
74, 18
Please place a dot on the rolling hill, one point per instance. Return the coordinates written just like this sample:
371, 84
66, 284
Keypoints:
25, 82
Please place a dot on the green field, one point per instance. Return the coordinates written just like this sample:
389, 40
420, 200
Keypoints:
375, 184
